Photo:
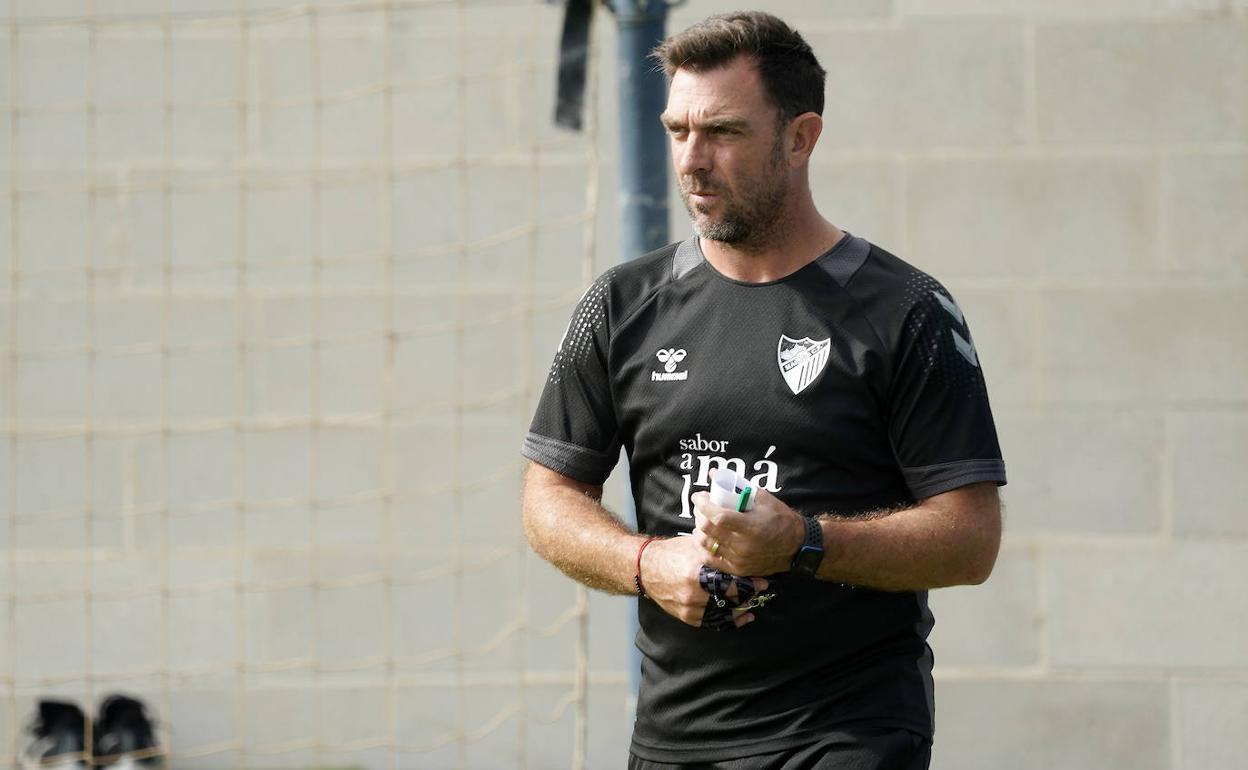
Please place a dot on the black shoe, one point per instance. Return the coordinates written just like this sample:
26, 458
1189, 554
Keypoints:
125, 735
58, 737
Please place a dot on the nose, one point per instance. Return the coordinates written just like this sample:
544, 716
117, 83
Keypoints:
692, 155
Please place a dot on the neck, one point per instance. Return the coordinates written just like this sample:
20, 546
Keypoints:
793, 241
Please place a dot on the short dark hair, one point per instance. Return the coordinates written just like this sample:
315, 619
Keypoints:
791, 74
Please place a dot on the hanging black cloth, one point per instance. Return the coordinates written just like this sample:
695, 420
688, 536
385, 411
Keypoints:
573, 64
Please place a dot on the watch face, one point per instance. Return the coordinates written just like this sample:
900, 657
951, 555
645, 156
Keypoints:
807, 560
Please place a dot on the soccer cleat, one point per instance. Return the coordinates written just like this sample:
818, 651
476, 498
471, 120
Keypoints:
125, 737
57, 733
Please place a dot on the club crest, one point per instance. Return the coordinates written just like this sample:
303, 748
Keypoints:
801, 361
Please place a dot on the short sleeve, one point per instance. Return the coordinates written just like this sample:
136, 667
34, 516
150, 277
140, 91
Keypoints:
574, 430
940, 423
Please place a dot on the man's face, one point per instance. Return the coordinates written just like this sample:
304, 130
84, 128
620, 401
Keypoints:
728, 152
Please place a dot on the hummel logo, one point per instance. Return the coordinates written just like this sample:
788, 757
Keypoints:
960, 343
669, 357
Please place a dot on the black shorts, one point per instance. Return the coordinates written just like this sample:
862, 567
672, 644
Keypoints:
872, 749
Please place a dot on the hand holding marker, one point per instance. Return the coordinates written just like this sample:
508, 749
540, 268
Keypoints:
731, 490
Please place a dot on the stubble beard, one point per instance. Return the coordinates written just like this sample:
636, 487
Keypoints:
750, 220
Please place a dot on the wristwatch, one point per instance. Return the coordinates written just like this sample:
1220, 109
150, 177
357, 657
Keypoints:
807, 559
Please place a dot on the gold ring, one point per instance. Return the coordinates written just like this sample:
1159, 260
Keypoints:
715, 549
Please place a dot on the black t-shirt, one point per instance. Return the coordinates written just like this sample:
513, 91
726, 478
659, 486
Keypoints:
849, 386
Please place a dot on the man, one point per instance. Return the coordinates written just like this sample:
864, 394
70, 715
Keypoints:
841, 381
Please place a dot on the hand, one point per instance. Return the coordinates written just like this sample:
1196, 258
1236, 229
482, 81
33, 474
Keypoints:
761, 541
669, 573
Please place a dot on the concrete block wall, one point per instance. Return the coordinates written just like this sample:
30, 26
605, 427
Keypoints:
277, 281
261, 402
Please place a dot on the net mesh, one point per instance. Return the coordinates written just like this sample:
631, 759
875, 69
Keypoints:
272, 282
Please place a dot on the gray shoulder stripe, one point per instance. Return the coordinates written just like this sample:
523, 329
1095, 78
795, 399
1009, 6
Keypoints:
950, 307
688, 256
845, 258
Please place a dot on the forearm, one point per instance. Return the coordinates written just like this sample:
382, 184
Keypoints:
909, 550
568, 527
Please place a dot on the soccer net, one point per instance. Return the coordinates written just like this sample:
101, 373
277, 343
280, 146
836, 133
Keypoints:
280, 284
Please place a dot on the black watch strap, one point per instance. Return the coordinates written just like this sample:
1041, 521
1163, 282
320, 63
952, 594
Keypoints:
808, 558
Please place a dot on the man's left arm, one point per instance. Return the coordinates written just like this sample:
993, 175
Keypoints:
948, 539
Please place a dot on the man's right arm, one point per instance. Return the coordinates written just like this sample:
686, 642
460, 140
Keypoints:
567, 526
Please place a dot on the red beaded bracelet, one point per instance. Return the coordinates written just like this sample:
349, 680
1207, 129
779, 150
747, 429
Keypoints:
641, 591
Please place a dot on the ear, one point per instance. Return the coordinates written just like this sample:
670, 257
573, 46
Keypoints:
803, 132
